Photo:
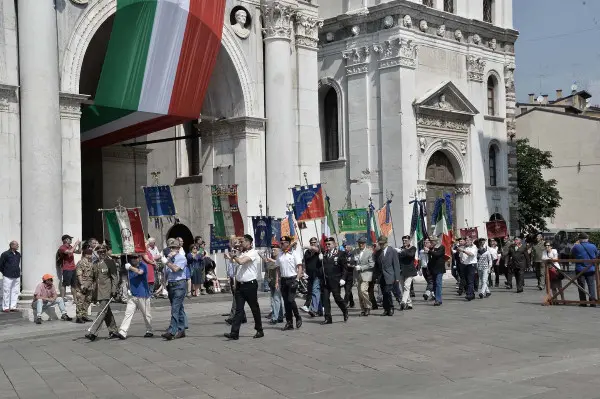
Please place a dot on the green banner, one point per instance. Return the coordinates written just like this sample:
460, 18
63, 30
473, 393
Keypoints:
219, 219
352, 220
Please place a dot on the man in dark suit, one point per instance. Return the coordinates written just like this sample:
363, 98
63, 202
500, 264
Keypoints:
334, 276
388, 266
518, 261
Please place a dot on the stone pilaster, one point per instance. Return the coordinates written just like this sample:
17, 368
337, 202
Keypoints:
70, 115
41, 159
281, 134
513, 208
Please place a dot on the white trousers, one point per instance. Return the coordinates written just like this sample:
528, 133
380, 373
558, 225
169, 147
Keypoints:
483, 281
10, 290
133, 303
406, 282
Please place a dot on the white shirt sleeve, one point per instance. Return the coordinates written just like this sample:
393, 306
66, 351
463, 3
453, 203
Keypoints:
297, 258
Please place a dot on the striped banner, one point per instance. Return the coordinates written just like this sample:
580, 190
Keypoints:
227, 218
125, 231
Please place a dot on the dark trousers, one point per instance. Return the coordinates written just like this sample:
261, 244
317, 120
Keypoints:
288, 287
496, 267
387, 289
428, 278
177, 291
246, 292
588, 278
397, 291
348, 297
331, 287
233, 303
372, 298
519, 274
462, 274
309, 291
470, 276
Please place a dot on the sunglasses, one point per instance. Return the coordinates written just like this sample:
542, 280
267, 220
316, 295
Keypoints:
174, 247
49, 279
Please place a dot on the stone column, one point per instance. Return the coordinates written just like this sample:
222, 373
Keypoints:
281, 153
511, 127
41, 141
70, 115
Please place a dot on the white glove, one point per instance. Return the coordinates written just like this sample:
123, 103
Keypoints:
127, 266
165, 260
358, 268
342, 283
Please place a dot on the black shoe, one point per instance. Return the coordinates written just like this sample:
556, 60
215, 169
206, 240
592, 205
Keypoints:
351, 305
122, 337
91, 337
113, 334
229, 321
470, 298
540, 287
180, 334
496, 285
592, 305
375, 307
436, 303
288, 326
385, 313
519, 291
273, 322
425, 297
231, 336
365, 313
345, 316
583, 305
489, 294
168, 336
326, 321
402, 306
38, 320
259, 334
311, 313
79, 320
409, 307
412, 295
480, 296
391, 312
65, 317
508, 287
298, 322
86, 319
279, 320
459, 293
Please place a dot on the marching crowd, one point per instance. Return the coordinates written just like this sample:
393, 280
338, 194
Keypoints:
331, 270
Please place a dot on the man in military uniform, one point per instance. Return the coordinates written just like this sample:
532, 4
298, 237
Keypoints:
106, 280
334, 275
85, 285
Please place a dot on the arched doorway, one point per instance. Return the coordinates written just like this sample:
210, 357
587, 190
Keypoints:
441, 180
181, 230
496, 216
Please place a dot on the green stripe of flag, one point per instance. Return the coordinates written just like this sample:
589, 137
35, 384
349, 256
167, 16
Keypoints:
114, 231
124, 66
219, 220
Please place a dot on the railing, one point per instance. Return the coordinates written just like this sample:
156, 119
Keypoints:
553, 291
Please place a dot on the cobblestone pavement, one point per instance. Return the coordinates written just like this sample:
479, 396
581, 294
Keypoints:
506, 346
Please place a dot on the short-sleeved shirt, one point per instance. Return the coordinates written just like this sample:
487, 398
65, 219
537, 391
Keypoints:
287, 262
466, 259
43, 291
181, 262
248, 271
138, 283
68, 260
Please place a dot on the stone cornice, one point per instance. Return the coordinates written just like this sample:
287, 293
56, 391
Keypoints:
70, 105
277, 17
126, 154
240, 127
8, 94
307, 30
396, 52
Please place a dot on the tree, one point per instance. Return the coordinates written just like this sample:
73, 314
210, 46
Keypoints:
538, 198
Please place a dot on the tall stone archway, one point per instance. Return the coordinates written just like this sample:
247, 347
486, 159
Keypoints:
441, 180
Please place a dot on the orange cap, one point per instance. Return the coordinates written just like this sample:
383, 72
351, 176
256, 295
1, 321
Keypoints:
47, 277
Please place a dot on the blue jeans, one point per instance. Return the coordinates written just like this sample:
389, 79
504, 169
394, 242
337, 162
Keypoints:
437, 286
588, 278
276, 304
177, 291
41, 305
315, 304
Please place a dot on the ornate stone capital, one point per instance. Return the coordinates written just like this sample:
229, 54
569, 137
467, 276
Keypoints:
475, 68
396, 52
8, 95
463, 189
357, 60
233, 128
70, 105
307, 30
277, 18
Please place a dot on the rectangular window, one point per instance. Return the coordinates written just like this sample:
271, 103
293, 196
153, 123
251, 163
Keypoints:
449, 6
492, 167
490, 101
428, 3
487, 10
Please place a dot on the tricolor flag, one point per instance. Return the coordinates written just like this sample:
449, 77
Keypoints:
156, 70
308, 202
384, 217
125, 231
328, 224
372, 230
287, 226
441, 226
418, 231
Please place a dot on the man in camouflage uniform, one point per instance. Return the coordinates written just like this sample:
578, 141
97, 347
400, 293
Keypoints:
85, 285
106, 278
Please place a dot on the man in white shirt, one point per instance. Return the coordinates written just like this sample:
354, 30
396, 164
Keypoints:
468, 257
290, 268
493, 248
246, 289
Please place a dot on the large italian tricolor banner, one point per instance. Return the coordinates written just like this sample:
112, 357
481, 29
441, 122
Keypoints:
125, 231
156, 70
227, 217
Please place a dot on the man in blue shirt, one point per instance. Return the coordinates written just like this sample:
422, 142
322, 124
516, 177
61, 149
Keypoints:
140, 296
585, 250
175, 264
10, 267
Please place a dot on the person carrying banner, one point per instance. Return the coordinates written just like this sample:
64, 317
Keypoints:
106, 280
290, 269
334, 273
406, 257
423, 261
140, 296
363, 258
313, 259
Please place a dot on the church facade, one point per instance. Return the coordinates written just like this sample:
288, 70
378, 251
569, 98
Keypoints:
374, 98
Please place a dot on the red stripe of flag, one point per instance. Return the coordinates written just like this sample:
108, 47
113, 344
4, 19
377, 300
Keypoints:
137, 231
236, 216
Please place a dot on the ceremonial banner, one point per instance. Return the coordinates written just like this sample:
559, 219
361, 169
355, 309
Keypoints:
372, 231
227, 217
159, 201
287, 226
384, 218
353, 220
352, 239
496, 229
156, 68
308, 202
470, 232
217, 244
125, 231
263, 233
276, 231
441, 226
418, 229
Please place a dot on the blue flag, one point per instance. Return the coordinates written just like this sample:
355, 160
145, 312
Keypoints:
159, 201
263, 232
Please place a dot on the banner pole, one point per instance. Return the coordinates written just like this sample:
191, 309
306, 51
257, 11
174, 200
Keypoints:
389, 196
314, 221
